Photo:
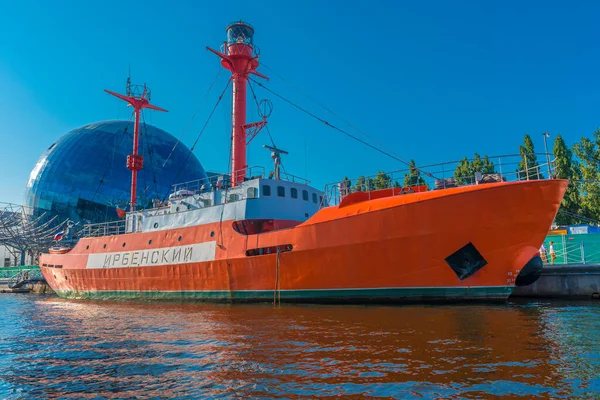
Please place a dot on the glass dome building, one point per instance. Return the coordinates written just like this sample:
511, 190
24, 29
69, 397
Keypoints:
83, 176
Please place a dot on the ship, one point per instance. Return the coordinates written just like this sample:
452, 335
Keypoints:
253, 236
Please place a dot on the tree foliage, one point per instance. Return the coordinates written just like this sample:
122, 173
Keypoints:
364, 184
413, 178
465, 170
528, 167
566, 168
588, 152
382, 181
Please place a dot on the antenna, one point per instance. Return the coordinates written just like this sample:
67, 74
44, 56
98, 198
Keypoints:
276, 156
139, 98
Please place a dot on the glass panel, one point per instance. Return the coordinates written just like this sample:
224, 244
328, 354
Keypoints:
280, 191
314, 196
294, 193
83, 176
266, 190
305, 195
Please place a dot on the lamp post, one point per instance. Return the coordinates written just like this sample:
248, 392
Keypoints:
547, 135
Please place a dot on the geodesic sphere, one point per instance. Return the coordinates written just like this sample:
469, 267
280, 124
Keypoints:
83, 175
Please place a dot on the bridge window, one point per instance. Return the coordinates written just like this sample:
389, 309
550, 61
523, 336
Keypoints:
234, 197
314, 196
266, 190
305, 195
294, 193
321, 200
252, 193
280, 191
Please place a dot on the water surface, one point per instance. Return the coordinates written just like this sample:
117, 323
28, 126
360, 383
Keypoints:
81, 349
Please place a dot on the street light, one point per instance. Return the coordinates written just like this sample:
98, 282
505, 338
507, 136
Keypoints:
547, 135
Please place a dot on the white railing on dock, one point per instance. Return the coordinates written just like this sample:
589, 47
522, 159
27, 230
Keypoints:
573, 249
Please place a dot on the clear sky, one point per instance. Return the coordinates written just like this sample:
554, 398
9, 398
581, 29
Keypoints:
431, 80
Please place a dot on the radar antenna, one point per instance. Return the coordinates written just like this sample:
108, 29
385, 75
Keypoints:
276, 156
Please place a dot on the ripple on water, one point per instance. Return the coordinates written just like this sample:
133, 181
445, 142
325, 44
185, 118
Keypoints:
57, 348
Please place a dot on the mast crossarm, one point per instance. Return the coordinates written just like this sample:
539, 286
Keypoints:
253, 129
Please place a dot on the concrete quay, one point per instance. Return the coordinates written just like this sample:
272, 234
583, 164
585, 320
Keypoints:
570, 281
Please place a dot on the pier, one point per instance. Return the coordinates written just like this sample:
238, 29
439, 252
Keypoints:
23, 279
572, 281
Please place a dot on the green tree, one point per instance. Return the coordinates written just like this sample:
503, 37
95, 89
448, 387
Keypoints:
528, 167
364, 184
567, 168
588, 153
462, 173
465, 170
382, 181
488, 166
413, 177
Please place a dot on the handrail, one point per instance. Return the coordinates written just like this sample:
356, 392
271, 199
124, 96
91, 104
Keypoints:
103, 229
440, 176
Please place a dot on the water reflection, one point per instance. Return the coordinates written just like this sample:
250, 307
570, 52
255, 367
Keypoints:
59, 348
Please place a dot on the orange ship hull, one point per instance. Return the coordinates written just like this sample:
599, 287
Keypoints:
385, 249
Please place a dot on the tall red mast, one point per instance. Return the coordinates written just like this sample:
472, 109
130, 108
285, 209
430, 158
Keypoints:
138, 97
240, 56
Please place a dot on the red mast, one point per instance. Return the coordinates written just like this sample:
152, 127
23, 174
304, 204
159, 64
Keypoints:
240, 56
138, 97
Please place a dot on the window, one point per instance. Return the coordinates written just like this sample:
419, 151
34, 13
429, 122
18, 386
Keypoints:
315, 198
294, 193
234, 197
321, 200
305, 195
266, 190
280, 191
252, 192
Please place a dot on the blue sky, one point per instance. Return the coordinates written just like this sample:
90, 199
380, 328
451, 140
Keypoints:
432, 80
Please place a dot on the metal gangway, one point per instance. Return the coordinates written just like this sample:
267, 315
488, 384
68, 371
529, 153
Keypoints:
26, 277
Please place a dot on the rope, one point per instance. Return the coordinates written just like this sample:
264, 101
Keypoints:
266, 126
196, 141
339, 129
258, 106
397, 157
277, 291
110, 165
192, 117
149, 148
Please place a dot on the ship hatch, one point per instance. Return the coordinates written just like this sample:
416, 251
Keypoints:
466, 261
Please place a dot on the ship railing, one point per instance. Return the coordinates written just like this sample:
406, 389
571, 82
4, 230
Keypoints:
465, 172
103, 229
284, 176
217, 181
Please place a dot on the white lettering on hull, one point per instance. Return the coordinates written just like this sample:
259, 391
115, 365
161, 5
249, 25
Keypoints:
154, 257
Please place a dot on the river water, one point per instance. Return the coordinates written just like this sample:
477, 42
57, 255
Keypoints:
52, 348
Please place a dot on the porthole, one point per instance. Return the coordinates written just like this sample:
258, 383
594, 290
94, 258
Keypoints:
155, 225
176, 209
123, 244
150, 241
104, 245
87, 247
212, 234
179, 239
